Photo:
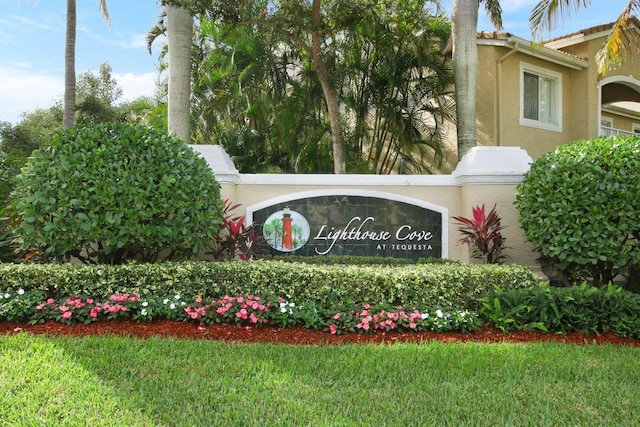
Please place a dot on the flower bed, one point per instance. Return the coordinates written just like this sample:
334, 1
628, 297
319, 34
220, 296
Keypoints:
239, 310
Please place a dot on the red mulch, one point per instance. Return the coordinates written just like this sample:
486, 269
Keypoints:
297, 335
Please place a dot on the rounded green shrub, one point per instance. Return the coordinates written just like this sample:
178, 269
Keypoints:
113, 193
580, 207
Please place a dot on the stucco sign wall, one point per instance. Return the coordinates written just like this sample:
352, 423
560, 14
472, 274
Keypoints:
364, 223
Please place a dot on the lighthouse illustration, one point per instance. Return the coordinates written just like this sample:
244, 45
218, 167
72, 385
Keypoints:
287, 231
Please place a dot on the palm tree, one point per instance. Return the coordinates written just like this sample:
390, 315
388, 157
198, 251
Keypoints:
464, 23
68, 119
179, 35
544, 17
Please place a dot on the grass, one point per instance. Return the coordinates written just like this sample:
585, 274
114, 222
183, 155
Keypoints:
119, 381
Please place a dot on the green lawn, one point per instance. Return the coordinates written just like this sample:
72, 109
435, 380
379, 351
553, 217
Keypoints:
125, 382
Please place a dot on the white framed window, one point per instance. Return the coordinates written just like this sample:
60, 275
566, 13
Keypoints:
540, 98
606, 122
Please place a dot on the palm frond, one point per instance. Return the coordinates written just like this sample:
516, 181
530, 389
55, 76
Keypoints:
544, 16
621, 38
494, 10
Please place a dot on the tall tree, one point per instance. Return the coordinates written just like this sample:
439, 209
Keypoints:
70, 61
464, 23
544, 17
256, 88
179, 35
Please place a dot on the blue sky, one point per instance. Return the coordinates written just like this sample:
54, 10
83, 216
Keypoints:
32, 44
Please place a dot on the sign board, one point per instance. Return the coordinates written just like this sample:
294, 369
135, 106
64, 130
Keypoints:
362, 223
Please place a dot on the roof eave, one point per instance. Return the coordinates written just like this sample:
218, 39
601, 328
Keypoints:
539, 51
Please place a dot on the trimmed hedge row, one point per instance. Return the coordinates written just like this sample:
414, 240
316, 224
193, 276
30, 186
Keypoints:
431, 285
585, 309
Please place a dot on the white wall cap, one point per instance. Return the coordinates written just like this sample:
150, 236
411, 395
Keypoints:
493, 165
219, 161
347, 180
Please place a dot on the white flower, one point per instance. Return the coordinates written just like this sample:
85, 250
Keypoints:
165, 301
7, 295
439, 313
143, 311
177, 296
424, 316
144, 304
20, 291
172, 306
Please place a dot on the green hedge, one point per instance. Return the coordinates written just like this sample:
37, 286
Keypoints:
355, 260
430, 285
585, 309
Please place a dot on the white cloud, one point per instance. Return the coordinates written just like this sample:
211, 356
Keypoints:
136, 85
22, 91
518, 5
135, 41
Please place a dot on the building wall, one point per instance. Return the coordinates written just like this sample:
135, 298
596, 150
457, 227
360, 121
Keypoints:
498, 103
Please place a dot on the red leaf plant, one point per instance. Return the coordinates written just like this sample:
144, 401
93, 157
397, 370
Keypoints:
483, 234
236, 240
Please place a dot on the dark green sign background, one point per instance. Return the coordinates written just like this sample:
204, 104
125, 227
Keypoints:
359, 225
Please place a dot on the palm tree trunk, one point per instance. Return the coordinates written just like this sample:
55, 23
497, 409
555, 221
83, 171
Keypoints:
464, 22
179, 34
337, 138
68, 118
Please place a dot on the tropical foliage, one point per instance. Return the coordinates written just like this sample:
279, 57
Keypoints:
623, 36
259, 88
483, 233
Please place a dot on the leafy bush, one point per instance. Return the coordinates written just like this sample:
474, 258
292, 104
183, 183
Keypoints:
112, 193
582, 308
483, 233
437, 285
579, 205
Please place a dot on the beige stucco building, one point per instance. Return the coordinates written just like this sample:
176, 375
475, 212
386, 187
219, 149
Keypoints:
539, 96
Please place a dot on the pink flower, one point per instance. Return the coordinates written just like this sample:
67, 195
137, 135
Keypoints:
201, 327
333, 329
240, 300
198, 300
337, 316
94, 313
89, 301
63, 308
50, 301
253, 318
221, 310
40, 306
66, 315
412, 325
